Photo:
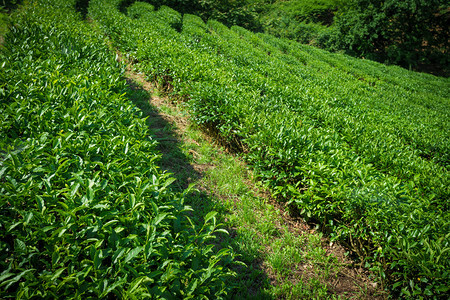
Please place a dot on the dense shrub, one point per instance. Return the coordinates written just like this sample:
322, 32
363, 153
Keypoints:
356, 146
401, 32
229, 12
85, 210
138, 9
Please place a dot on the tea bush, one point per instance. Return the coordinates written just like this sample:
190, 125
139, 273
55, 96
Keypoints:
137, 9
356, 146
85, 210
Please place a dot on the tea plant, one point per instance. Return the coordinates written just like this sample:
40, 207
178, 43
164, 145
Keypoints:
357, 147
85, 210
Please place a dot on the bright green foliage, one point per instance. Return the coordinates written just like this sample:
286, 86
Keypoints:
359, 147
410, 33
4, 20
169, 16
300, 20
317, 11
85, 212
137, 9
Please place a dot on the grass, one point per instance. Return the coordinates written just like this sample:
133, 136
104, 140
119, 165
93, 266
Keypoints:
284, 257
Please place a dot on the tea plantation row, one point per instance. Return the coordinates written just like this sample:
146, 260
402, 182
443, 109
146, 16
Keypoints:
360, 148
85, 212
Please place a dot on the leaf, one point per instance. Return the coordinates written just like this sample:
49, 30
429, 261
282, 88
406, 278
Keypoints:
132, 200
223, 252
132, 254
90, 194
61, 232
74, 189
98, 243
109, 223
112, 287
210, 215
2, 171
153, 275
9, 282
19, 246
159, 218
103, 184
58, 273
135, 283
155, 207
28, 218
64, 162
55, 258
168, 182
97, 259
40, 204
222, 230
113, 238
192, 286
5, 275
64, 282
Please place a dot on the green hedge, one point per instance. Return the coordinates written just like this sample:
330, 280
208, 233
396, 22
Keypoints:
356, 146
85, 210
138, 9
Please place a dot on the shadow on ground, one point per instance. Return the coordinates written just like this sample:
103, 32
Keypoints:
251, 280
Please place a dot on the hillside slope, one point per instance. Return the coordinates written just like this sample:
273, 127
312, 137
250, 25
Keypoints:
359, 147
85, 210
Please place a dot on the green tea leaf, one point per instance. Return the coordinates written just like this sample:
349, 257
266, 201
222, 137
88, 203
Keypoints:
159, 218
58, 273
19, 246
132, 254
118, 254
40, 203
210, 216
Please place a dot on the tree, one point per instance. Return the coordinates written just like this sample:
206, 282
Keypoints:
406, 32
229, 12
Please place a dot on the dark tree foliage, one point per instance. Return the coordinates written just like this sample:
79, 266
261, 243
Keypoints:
10, 4
82, 7
229, 12
405, 32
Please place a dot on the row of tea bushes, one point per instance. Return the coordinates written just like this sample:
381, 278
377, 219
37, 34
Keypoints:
359, 155
84, 209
